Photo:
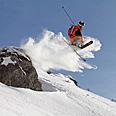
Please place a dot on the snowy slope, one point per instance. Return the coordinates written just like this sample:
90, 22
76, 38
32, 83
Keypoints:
60, 96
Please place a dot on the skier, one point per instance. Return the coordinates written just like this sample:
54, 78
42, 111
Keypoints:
74, 32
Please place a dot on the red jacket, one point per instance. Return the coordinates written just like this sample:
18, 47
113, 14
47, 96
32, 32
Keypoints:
74, 31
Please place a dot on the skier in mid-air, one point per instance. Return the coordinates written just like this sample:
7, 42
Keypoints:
75, 34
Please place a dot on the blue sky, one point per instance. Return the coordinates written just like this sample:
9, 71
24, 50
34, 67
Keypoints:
20, 19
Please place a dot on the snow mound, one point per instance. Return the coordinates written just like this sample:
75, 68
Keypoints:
51, 52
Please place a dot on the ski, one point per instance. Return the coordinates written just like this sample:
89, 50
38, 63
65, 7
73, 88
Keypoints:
85, 45
74, 50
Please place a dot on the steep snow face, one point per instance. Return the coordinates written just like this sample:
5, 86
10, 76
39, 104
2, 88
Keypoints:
59, 98
51, 52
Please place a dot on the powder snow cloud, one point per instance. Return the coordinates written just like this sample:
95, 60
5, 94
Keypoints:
51, 52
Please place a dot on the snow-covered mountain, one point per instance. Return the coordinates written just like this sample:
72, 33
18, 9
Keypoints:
60, 95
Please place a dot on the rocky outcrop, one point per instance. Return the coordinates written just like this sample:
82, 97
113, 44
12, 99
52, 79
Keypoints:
16, 69
75, 82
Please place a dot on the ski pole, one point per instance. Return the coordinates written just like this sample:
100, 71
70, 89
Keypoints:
68, 15
75, 51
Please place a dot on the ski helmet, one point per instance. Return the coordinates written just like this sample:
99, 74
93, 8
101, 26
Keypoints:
81, 23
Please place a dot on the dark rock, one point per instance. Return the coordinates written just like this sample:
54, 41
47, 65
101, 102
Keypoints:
16, 69
113, 100
75, 82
